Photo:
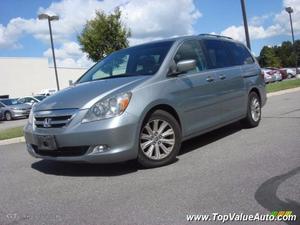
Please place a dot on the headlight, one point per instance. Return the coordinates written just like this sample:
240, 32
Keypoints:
30, 117
107, 108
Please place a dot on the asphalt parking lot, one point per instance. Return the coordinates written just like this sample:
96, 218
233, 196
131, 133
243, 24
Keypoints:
13, 123
228, 170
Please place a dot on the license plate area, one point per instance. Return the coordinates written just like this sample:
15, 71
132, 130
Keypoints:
46, 142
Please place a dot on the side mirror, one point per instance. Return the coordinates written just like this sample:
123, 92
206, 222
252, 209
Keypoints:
32, 101
182, 67
186, 65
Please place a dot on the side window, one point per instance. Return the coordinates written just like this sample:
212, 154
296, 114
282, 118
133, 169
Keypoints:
191, 50
29, 100
217, 54
240, 54
22, 100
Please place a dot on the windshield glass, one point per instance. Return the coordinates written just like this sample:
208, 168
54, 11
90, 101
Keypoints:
40, 97
140, 60
10, 101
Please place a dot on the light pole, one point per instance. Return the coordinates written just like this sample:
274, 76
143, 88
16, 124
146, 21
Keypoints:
245, 23
290, 10
44, 16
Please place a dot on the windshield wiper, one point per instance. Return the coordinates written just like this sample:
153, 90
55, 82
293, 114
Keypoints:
118, 76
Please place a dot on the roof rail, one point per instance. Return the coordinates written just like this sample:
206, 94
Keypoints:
215, 35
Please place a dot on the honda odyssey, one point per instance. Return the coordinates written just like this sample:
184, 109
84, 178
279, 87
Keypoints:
142, 102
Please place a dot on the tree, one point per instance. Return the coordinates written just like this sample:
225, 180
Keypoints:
297, 49
103, 35
286, 54
268, 58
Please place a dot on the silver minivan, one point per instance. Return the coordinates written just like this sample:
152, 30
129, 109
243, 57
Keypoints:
142, 102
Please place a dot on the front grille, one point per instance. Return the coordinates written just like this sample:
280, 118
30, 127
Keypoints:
52, 121
65, 151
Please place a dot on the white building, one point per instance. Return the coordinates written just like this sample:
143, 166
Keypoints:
26, 76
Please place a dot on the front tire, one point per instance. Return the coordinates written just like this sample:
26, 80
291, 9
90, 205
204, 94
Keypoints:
253, 111
8, 116
159, 140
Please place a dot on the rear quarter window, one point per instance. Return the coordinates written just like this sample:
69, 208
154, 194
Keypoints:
239, 53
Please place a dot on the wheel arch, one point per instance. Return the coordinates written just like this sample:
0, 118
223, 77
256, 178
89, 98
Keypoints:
165, 107
5, 112
256, 90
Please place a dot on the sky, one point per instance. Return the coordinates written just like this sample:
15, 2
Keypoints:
23, 35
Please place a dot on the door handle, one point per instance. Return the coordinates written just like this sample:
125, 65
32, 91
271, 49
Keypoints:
209, 79
222, 77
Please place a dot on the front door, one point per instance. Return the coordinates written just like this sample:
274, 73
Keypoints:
197, 91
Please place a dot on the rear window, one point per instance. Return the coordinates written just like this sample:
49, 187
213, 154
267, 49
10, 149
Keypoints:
240, 54
217, 54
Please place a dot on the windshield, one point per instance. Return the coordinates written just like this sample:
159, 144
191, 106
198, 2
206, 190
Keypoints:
140, 60
10, 102
40, 97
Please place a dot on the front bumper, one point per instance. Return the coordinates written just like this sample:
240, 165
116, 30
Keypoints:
119, 134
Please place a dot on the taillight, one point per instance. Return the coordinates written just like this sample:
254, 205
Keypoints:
262, 74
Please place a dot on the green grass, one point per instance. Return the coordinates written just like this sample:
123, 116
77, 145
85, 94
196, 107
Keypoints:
287, 84
11, 133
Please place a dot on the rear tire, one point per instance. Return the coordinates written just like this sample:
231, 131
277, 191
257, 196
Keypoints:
159, 140
8, 116
253, 111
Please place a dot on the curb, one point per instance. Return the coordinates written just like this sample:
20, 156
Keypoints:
291, 90
12, 141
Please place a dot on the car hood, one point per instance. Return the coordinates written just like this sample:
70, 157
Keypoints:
79, 95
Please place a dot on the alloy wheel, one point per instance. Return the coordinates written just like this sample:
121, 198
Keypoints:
157, 139
7, 116
255, 109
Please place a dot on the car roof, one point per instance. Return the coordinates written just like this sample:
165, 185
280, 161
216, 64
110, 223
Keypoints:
182, 38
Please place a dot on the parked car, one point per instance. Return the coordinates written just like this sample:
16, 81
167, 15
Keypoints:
291, 72
1, 114
142, 102
47, 92
12, 109
269, 75
31, 99
282, 71
278, 76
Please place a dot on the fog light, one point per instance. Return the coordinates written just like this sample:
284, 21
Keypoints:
100, 149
